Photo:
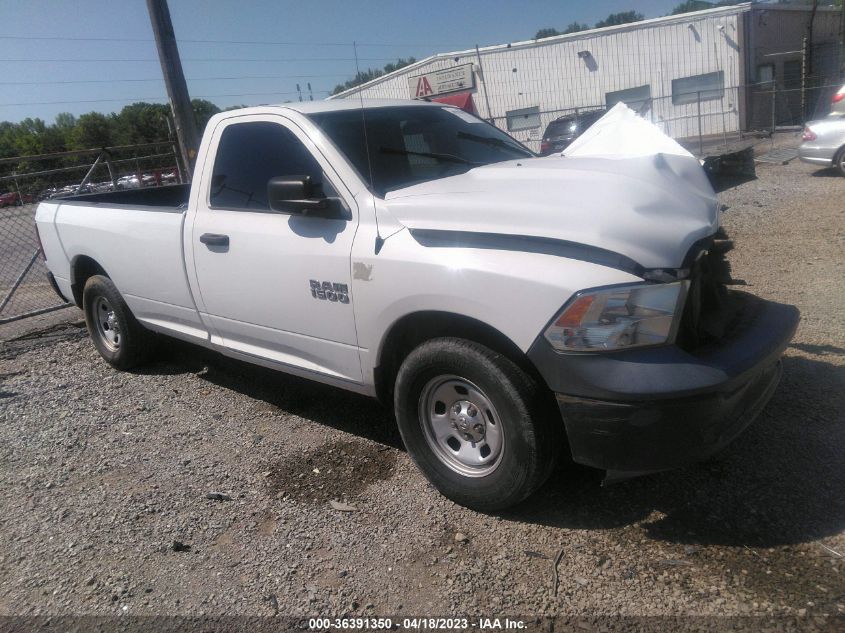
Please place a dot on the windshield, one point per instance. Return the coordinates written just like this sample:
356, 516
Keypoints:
412, 144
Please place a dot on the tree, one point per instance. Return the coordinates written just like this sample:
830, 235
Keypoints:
623, 17
548, 32
700, 5
203, 111
691, 5
573, 27
140, 123
364, 76
93, 130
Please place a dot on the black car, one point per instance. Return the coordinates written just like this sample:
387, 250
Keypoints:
562, 131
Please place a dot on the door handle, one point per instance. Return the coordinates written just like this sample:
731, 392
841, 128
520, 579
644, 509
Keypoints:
214, 239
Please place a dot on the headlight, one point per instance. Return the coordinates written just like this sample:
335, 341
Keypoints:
619, 318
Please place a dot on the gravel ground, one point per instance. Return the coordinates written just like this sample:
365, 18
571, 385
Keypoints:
107, 481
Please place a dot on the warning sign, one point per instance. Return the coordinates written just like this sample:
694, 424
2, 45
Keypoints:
440, 82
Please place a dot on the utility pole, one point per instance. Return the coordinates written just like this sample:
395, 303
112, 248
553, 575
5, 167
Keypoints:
174, 79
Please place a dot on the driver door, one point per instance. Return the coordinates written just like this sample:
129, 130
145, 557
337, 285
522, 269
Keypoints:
273, 285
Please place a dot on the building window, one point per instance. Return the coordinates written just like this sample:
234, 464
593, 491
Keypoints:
635, 98
765, 73
524, 119
691, 89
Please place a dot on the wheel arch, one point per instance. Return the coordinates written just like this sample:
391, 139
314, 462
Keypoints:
838, 157
415, 328
83, 267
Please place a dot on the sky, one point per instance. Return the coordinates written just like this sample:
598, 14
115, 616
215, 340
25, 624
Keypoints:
100, 55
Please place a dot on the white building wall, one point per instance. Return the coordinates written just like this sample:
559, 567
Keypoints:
550, 75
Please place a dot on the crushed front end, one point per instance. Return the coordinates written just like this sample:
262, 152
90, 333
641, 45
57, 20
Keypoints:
657, 407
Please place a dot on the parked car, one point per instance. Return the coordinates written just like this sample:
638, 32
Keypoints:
505, 306
837, 105
128, 182
823, 143
100, 187
12, 198
562, 131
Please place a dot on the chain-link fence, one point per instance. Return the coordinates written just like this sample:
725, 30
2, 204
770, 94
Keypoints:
706, 122
23, 274
25, 181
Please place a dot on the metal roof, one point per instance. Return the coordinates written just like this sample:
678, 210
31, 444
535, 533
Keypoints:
546, 41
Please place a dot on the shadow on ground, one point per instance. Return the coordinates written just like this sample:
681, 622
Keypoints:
339, 409
779, 483
722, 183
827, 172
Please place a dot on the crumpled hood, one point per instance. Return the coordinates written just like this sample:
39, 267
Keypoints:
650, 208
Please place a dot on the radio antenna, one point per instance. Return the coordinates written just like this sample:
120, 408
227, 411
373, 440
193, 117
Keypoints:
379, 239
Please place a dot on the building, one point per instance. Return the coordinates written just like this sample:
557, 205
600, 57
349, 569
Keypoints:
705, 73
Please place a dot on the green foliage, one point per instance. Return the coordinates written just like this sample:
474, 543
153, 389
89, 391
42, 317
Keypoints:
543, 33
692, 5
623, 17
573, 27
700, 5
136, 123
364, 76
93, 130
203, 111
613, 19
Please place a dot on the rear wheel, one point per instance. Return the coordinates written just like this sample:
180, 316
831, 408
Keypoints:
839, 161
113, 329
475, 423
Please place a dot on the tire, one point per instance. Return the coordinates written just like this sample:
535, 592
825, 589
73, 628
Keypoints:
492, 403
839, 161
116, 334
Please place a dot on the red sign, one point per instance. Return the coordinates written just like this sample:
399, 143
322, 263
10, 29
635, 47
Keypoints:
423, 88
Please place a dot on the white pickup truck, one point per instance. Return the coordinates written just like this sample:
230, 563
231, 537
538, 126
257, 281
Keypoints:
509, 307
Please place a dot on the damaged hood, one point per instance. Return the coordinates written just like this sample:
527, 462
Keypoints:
648, 205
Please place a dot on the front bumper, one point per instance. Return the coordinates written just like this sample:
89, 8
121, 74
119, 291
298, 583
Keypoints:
662, 407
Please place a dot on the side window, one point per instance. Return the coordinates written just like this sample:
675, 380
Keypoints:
249, 155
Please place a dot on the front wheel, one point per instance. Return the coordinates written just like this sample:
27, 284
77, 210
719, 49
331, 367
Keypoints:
114, 330
477, 425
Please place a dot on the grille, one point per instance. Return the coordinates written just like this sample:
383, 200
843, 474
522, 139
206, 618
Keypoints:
711, 308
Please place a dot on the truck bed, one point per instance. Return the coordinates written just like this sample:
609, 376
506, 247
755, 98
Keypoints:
167, 196
135, 237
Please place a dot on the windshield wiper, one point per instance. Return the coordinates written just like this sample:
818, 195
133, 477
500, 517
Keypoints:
407, 152
495, 142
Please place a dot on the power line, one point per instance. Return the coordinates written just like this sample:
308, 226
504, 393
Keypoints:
204, 41
153, 99
205, 59
109, 81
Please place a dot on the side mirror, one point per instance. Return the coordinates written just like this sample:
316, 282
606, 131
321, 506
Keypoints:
297, 194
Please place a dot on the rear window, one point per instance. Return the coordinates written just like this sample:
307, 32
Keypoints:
591, 117
558, 127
